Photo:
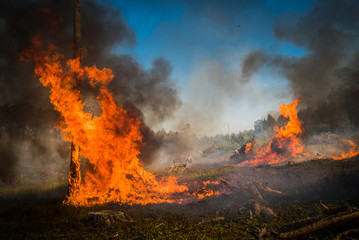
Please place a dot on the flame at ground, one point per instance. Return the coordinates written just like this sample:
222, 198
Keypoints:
285, 144
110, 142
354, 150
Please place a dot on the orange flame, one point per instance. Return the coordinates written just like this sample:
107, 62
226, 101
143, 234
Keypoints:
248, 147
285, 144
110, 141
352, 152
207, 189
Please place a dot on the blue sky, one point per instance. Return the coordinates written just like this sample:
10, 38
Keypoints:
197, 36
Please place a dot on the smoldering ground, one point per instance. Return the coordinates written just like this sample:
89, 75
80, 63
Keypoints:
25, 105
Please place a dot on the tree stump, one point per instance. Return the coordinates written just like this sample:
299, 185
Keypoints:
107, 217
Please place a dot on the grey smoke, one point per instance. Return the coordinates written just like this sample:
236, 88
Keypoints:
252, 62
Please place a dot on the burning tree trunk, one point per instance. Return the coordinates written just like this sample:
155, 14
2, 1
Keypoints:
74, 174
109, 141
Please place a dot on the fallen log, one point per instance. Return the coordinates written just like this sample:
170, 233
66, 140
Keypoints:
264, 188
259, 210
227, 184
314, 224
346, 233
332, 210
108, 217
249, 191
243, 191
254, 191
255, 207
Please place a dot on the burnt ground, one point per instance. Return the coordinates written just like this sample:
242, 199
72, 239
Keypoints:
322, 179
39, 214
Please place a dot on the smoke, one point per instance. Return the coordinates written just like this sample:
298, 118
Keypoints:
29, 145
176, 147
215, 92
252, 62
326, 76
149, 91
218, 91
329, 34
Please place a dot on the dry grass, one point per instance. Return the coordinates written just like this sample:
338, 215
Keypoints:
38, 212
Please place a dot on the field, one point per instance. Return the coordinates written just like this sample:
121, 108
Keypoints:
31, 212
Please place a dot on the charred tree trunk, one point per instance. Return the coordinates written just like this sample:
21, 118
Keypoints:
74, 174
77, 29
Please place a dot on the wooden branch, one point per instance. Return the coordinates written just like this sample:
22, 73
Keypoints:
314, 224
346, 233
243, 191
264, 188
322, 205
255, 207
333, 210
227, 184
254, 191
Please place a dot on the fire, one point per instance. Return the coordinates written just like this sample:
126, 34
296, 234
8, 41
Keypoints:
285, 144
110, 141
248, 147
207, 189
354, 150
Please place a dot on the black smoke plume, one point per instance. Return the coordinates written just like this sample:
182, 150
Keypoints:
24, 102
252, 62
326, 76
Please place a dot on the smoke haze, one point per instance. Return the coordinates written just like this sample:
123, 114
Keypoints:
25, 107
325, 76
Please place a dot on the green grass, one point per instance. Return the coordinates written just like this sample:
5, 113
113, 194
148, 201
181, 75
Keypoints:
197, 173
11, 191
31, 219
49, 219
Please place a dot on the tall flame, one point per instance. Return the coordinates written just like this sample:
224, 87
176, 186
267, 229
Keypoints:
285, 144
110, 141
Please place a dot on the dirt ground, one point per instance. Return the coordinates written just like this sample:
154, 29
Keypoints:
40, 214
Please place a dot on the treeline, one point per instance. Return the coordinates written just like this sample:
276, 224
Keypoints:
315, 121
339, 121
226, 142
